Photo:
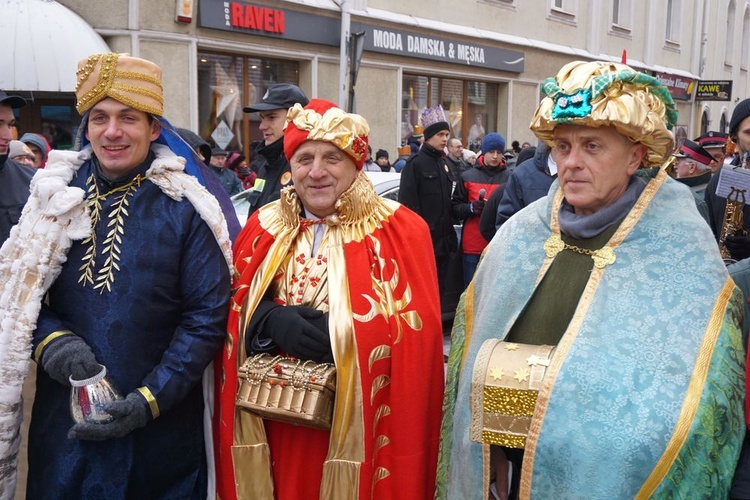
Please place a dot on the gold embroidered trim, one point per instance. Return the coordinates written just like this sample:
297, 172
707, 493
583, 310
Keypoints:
49, 338
692, 395
509, 401
111, 244
152, 404
504, 439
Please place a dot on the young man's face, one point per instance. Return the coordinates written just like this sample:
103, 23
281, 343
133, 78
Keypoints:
493, 158
439, 140
120, 136
7, 119
272, 124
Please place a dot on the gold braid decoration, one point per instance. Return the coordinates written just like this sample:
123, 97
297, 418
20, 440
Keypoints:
94, 207
602, 257
111, 244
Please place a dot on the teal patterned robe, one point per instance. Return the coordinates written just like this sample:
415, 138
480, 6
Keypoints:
644, 395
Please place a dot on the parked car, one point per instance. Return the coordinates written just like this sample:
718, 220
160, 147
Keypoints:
386, 185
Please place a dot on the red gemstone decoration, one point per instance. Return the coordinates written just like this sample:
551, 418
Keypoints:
277, 368
359, 147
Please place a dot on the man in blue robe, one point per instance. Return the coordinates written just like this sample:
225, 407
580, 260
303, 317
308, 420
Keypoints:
142, 291
643, 394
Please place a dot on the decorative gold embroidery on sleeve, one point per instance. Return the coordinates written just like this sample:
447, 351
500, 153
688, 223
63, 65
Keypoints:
385, 303
49, 338
152, 404
379, 443
380, 473
382, 411
380, 382
380, 352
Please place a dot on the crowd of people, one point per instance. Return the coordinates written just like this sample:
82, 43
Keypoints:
598, 350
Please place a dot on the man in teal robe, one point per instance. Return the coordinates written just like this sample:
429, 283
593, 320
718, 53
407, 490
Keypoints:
615, 267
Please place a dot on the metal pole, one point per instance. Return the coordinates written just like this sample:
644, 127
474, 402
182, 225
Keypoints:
343, 53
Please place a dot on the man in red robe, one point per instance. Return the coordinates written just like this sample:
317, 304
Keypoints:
332, 272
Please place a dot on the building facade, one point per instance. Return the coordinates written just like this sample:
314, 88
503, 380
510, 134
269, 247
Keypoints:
482, 60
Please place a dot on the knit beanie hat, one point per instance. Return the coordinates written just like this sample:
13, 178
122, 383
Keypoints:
741, 112
493, 142
382, 153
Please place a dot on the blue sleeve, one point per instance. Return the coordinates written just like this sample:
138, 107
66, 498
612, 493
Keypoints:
205, 285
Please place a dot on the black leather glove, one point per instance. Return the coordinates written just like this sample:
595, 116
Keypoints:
477, 206
738, 246
300, 331
69, 356
129, 414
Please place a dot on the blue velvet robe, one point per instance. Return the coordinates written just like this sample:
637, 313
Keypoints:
159, 326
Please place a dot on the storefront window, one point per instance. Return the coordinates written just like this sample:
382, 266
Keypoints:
226, 83
470, 107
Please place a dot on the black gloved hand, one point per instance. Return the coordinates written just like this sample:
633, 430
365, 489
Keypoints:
477, 206
738, 246
69, 356
300, 331
129, 414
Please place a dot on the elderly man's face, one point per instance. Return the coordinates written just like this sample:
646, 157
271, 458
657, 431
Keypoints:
120, 136
594, 165
321, 173
684, 168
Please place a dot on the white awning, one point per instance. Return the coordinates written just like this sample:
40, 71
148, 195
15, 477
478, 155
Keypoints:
44, 41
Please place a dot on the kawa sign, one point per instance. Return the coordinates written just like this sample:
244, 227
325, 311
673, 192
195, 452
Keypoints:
713, 90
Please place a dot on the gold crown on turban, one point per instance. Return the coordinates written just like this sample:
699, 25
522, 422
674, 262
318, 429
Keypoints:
130, 80
597, 94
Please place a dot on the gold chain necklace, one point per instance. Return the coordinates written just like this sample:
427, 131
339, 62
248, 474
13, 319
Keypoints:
602, 257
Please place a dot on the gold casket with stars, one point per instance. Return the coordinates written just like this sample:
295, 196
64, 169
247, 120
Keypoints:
504, 388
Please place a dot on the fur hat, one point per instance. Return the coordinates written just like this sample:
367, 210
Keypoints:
322, 120
132, 81
433, 121
598, 93
493, 142
741, 112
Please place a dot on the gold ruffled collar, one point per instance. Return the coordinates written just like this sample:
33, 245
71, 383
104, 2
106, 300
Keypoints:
358, 203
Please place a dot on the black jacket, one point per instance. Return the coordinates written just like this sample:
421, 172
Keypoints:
274, 175
14, 191
426, 188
